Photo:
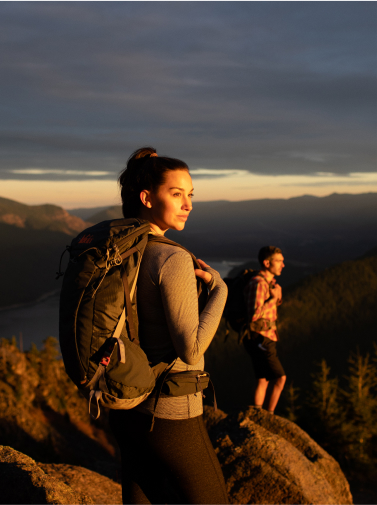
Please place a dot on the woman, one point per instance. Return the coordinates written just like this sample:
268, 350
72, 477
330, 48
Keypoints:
174, 463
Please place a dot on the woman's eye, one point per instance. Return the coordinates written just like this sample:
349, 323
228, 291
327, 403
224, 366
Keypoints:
177, 194
191, 195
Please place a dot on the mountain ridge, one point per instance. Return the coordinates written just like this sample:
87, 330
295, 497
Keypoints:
323, 230
40, 217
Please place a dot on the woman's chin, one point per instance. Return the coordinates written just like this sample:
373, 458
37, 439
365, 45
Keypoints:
178, 226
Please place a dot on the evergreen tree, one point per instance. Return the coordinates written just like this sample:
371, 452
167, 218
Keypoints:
292, 395
361, 398
326, 412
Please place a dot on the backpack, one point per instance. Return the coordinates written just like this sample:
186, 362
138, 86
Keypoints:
235, 311
98, 324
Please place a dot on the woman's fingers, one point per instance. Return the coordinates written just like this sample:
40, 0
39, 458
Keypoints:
206, 276
203, 264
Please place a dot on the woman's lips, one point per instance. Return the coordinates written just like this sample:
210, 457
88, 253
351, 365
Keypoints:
183, 217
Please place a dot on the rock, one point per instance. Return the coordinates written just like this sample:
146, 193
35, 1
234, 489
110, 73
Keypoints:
22, 481
268, 459
100, 489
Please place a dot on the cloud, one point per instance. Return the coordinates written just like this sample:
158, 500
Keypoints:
270, 88
43, 171
207, 173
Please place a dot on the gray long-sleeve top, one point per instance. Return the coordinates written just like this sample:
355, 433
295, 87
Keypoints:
169, 319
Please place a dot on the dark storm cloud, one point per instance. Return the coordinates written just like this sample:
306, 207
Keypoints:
271, 87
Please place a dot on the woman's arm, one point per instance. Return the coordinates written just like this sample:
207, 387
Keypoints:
190, 332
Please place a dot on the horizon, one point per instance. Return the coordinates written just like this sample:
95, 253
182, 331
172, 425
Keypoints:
241, 187
335, 193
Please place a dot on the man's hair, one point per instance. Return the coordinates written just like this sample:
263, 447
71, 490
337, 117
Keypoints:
267, 252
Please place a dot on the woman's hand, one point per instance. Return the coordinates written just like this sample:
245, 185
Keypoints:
206, 276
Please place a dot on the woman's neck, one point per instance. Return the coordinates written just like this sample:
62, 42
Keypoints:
154, 226
156, 229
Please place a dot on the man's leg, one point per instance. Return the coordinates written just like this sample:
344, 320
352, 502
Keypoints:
278, 386
260, 392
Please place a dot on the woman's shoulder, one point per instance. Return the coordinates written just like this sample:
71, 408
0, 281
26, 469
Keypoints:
160, 253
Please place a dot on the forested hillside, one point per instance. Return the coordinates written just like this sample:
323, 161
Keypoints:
328, 315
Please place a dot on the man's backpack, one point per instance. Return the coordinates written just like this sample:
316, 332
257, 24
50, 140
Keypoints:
235, 311
98, 330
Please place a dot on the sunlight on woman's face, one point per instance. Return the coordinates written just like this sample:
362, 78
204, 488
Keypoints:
171, 204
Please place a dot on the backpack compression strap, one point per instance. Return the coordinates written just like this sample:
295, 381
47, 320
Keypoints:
97, 383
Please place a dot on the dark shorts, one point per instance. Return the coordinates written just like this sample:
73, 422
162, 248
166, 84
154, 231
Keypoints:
266, 363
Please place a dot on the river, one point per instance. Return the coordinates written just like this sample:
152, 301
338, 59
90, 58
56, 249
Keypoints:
34, 322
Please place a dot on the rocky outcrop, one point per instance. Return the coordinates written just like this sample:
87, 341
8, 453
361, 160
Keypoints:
265, 459
22, 481
99, 488
268, 459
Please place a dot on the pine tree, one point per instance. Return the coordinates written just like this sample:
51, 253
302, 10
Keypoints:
327, 413
361, 399
291, 396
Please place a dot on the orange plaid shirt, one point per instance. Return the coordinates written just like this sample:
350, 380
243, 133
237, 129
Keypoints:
260, 304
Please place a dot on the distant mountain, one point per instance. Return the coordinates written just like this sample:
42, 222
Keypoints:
308, 229
311, 230
39, 217
85, 213
326, 315
114, 212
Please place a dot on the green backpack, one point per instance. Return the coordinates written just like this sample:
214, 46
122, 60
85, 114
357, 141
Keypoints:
98, 330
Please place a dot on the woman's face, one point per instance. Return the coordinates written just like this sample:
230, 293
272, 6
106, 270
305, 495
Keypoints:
169, 206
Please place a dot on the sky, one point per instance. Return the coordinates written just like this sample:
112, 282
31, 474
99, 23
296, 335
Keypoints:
260, 99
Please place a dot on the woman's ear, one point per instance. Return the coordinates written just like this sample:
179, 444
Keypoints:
145, 198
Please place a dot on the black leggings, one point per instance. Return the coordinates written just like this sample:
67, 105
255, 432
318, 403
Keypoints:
175, 463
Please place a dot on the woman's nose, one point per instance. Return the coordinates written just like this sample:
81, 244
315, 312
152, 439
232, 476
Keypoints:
187, 204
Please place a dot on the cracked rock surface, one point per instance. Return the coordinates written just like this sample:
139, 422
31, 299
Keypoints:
268, 459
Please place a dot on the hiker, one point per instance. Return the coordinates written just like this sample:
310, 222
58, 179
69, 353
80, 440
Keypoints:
178, 450
262, 296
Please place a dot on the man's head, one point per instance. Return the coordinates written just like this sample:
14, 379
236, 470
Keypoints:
271, 259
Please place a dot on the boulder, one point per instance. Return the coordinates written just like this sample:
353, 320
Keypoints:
22, 481
83, 481
268, 459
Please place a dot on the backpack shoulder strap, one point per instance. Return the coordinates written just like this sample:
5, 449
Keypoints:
201, 285
163, 240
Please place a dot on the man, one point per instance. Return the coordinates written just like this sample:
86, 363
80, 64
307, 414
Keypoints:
262, 296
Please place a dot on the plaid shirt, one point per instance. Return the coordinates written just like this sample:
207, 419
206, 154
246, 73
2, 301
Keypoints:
260, 304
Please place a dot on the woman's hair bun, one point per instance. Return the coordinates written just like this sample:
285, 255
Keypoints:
143, 152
